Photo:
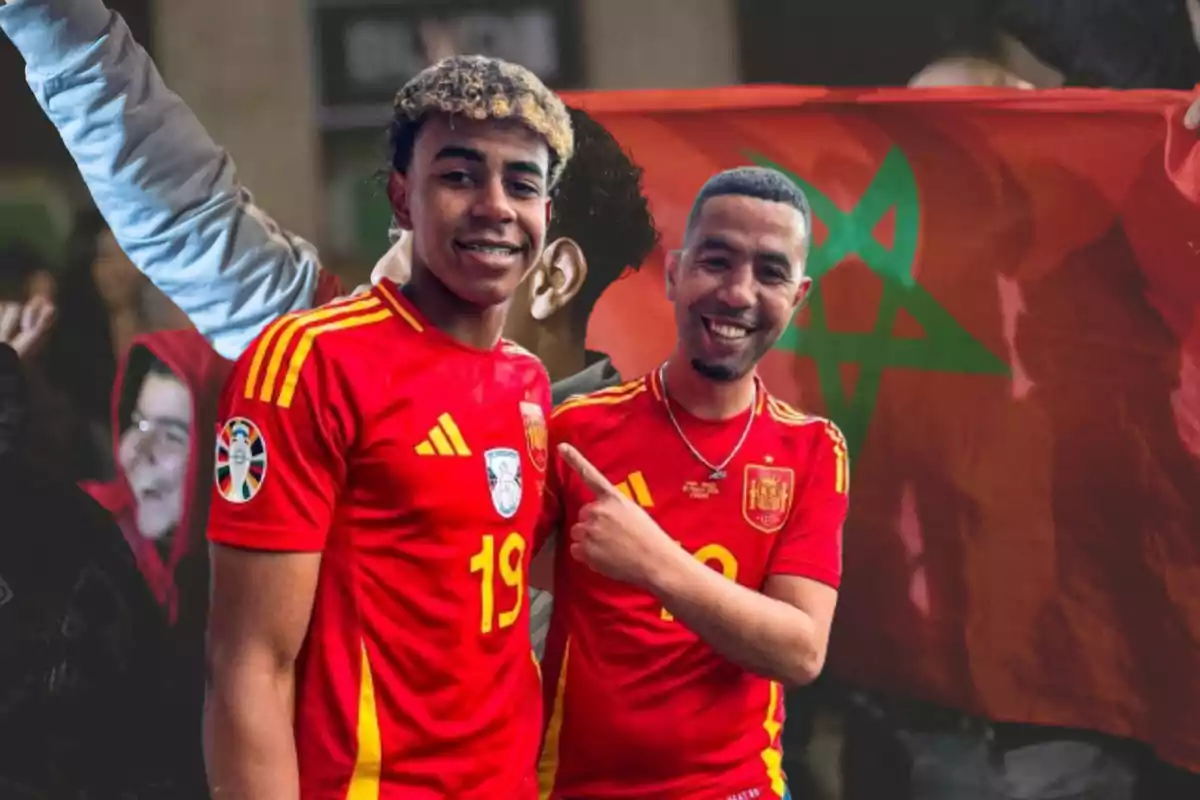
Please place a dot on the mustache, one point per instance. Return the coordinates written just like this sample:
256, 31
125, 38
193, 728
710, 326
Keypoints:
727, 313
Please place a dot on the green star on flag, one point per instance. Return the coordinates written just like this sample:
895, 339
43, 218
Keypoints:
946, 347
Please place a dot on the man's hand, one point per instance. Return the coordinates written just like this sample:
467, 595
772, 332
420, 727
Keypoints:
24, 327
614, 536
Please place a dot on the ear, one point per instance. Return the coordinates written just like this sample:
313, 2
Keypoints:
802, 292
557, 278
397, 191
674, 264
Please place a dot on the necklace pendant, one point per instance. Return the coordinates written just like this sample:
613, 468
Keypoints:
717, 475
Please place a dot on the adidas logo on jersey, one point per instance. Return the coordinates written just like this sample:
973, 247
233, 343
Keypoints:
445, 439
634, 487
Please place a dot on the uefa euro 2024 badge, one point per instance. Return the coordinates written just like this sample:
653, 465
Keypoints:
241, 462
504, 479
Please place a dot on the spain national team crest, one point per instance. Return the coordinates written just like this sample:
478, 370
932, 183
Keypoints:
536, 436
504, 479
767, 494
241, 460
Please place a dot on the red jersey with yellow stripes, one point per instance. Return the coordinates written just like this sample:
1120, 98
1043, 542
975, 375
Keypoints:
637, 705
415, 465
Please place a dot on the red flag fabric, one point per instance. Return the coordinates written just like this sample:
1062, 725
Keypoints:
1005, 324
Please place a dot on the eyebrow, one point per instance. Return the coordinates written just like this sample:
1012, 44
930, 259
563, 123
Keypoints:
716, 243
772, 257
470, 154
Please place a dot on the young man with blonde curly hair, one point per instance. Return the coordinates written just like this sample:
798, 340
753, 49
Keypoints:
379, 482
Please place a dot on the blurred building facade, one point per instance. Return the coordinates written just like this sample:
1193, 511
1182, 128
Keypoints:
299, 92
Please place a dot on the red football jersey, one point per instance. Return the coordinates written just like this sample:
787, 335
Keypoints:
415, 465
637, 705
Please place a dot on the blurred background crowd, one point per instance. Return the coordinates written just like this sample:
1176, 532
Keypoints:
121, 392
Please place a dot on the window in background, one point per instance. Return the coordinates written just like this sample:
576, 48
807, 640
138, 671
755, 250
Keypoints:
367, 49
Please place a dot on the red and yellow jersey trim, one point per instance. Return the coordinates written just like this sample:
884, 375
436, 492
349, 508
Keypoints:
267, 376
551, 743
841, 458
368, 759
604, 397
785, 414
402, 312
772, 754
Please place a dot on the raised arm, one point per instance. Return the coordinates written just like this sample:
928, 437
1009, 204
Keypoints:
169, 193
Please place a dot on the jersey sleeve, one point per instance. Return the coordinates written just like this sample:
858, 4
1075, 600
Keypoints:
810, 546
281, 452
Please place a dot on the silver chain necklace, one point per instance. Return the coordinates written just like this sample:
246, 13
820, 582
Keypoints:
717, 470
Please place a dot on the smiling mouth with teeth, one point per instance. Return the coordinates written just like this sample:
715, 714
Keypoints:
490, 249
726, 330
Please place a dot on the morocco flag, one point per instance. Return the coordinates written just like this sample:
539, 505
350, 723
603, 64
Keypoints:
1005, 326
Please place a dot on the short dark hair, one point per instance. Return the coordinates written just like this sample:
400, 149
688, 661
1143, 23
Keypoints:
156, 366
140, 363
758, 182
600, 203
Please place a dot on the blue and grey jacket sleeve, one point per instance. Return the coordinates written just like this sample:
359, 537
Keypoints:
169, 193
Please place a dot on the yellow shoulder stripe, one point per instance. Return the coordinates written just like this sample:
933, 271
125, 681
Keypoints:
841, 458
278, 337
612, 396
782, 413
274, 347
400, 310
288, 389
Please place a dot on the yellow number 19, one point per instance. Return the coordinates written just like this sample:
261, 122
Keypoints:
512, 572
711, 554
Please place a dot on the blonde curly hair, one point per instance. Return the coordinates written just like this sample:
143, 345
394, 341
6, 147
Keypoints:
481, 88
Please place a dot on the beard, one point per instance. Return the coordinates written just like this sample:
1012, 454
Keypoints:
720, 373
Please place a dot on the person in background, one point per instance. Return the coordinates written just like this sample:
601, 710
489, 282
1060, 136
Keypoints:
1109, 44
134, 305
81, 681
164, 409
601, 229
1028, 44
67, 369
164, 406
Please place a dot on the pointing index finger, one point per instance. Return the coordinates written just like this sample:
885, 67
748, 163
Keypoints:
593, 477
